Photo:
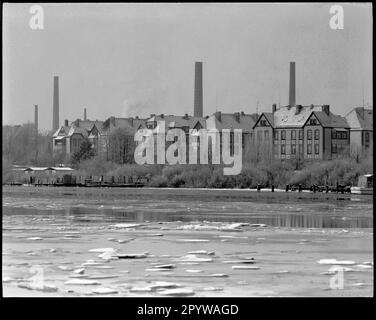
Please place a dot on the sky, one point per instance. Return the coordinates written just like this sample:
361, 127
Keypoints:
137, 59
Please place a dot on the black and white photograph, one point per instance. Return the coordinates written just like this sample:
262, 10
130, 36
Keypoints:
187, 150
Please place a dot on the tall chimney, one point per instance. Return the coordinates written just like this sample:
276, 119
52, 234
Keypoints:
84, 113
292, 85
198, 90
55, 116
36, 118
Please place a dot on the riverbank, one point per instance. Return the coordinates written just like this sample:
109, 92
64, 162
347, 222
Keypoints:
230, 194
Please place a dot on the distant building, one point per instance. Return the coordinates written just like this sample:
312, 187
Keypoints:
189, 124
238, 120
68, 138
360, 121
303, 132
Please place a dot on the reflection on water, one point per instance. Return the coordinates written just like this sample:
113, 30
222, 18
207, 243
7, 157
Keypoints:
275, 218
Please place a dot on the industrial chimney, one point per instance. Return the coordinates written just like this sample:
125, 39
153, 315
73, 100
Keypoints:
55, 116
197, 112
292, 85
36, 118
85, 114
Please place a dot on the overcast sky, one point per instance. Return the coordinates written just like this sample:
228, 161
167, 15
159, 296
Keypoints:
129, 59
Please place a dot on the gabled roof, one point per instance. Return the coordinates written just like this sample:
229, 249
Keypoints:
331, 120
172, 121
360, 118
62, 131
293, 116
114, 123
229, 121
76, 130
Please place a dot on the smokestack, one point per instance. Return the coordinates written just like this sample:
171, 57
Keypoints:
55, 116
198, 110
36, 118
292, 85
84, 113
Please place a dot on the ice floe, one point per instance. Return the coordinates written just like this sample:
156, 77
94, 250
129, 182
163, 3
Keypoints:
81, 282
177, 292
337, 262
245, 267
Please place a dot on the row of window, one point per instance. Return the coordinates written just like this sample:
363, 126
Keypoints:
339, 135
293, 149
293, 134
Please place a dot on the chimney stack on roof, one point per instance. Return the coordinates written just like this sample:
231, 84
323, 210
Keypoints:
198, 94
292, 85
274, 107
325, 108
299, 108
66, 122
218, 115
237, 116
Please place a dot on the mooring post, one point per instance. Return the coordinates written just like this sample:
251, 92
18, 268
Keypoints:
287, 187
258, 187
272, 187
300, 188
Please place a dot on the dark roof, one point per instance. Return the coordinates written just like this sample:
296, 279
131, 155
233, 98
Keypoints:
360, 118
331, 120
229, 121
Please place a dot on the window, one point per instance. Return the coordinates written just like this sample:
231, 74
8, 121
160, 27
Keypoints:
300, 134
334, 148
266, 134
317, 148
276, 135
334, 134
259, 135
293, 135
317, 134
366, 138
283, 135
309, 149
263, 123
283, 149
313, 122
293, 149
309, 134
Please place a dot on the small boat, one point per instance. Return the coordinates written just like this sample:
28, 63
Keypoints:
365, 185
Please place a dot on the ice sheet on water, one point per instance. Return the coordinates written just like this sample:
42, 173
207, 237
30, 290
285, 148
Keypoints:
194, 258
126, 225
335, 261
177, 292
104, 290
81, 282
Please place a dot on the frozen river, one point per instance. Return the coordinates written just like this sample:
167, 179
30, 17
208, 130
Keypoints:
193, 242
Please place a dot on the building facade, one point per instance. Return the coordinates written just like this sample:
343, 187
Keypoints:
360, 121
303, 132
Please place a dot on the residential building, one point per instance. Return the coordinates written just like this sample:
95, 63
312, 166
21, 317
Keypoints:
238, 120
360, 121
303, 132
